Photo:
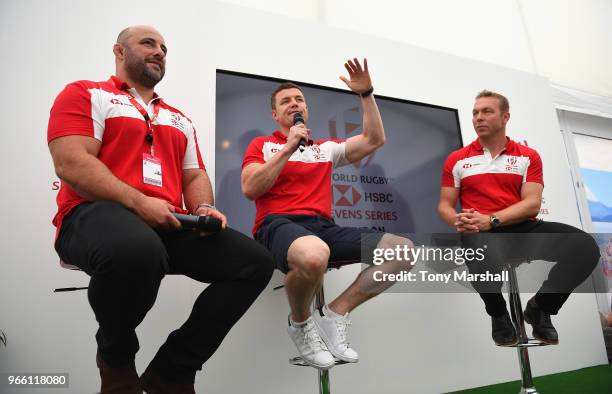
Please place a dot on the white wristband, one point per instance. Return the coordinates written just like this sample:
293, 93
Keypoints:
204, 205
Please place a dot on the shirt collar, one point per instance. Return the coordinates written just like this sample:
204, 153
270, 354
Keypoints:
279, 134
124, 86
477, 146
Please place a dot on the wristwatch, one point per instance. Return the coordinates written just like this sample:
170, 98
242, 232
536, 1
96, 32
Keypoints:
494, 221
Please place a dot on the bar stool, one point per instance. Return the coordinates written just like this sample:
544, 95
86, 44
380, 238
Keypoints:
524, 342
323, 380
67, 266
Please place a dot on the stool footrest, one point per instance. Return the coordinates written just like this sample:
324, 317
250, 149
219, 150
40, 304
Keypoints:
528, 391
297, 360
64, 289
531, 342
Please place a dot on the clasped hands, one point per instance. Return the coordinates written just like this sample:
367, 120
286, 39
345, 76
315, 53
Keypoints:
470, 221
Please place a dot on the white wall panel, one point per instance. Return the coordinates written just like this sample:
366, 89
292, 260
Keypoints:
571, 42
566, 41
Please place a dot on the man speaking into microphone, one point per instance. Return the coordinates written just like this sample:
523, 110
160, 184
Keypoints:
288, 175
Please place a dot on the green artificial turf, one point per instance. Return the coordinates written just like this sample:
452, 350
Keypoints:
593, 380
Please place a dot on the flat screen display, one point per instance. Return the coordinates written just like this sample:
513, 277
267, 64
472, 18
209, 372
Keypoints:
396, 189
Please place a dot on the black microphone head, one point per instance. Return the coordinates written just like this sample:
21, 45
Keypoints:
209, 223
298, 118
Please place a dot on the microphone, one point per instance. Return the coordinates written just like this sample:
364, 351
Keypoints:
208, 224
299, 119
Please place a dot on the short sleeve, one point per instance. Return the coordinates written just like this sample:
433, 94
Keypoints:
450, 177
74, 112
535, 172
336, 149
254, 152
193, 157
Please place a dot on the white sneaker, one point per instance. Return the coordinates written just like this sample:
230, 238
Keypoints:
333, 333
310, 346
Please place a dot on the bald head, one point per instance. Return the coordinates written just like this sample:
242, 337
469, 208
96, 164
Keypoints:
123, 36
140, 55
126, 33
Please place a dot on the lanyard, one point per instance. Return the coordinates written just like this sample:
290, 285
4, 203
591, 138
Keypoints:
148, 120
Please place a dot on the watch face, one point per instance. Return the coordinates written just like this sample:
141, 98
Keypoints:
494, 221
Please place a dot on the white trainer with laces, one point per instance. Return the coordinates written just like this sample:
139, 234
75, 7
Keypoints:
310, 346
333, 332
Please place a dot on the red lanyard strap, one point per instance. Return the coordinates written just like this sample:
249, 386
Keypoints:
144, 112
149, 137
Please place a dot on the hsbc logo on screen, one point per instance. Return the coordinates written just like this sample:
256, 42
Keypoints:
347, 195
345, 125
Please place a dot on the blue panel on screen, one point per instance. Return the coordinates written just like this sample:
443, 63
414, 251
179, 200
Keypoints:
396, 189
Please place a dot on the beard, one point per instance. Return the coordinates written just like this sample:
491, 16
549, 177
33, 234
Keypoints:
139, 71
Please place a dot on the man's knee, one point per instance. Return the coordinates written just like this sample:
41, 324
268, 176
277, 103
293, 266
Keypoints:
261, 264
584, 247
590, 250
308, 256
392, 241
141, 254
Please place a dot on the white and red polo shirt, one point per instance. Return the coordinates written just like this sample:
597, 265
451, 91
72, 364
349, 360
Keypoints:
490, 184
104, 111
304, 185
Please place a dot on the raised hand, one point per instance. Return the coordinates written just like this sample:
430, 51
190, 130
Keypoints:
359, 81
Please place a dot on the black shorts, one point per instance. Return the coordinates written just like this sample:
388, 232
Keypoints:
277, 233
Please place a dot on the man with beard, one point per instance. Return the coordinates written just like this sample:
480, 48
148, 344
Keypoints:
127, 161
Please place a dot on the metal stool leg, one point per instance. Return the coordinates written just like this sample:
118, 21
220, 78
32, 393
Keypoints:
319, 302
323, 375
516, 311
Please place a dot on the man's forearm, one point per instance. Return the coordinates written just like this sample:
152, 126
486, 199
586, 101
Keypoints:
519, 212
373, 135
258, 180
198, 190
373, 128
448, 215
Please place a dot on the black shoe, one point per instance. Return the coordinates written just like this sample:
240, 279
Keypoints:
123, 380
152, 383
543, 329
502, 330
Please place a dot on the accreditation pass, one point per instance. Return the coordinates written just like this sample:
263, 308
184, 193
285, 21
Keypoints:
151, 170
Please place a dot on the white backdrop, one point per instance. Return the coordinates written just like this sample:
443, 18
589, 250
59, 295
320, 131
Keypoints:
408, 342
559, 39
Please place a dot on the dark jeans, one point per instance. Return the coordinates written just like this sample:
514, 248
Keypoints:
127, 260
575, 252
